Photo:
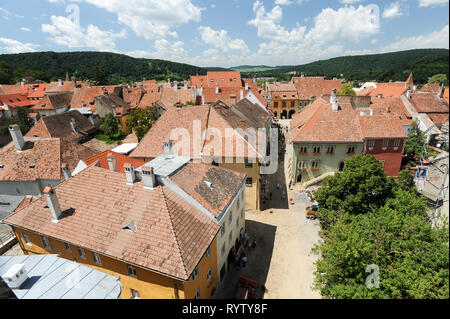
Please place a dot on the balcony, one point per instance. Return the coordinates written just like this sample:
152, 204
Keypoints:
315, 169
351, 153
303, 153
330, 153
316, 154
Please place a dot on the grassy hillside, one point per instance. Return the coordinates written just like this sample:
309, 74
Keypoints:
116, 67
252, 68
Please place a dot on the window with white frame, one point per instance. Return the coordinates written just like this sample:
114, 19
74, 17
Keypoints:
372, 143
303, 149
248, 164
351, 149
195, 274
209, 274
197, 294
81, 252
396, 143
26, 239
315, 165
45, 242
67, 247
330, 149
131, 271
385, 143
96, 258
302, 165
316, 149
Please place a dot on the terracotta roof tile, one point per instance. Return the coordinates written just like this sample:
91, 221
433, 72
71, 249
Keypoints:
120, 161
314, 86
171, 236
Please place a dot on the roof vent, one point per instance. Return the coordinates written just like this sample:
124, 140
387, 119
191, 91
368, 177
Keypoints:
148, 176
130, 173
210, 185
16, 276
53, 203
131, 226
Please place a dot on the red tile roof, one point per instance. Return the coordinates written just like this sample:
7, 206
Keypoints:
386, 90
428, 103
6, 89
41, 158
132, 96
85, 97
319, 123
36, 90
171, 236
16, 100
120, 161
314, 86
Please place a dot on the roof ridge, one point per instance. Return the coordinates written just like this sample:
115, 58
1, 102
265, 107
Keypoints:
173, 231
315, 116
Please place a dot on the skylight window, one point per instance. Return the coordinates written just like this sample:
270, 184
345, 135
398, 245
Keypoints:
32, 165
131, 226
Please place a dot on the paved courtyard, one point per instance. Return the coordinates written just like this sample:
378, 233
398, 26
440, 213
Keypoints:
282, 260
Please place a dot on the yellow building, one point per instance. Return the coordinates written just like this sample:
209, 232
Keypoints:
156, 237
212, 134
285, 104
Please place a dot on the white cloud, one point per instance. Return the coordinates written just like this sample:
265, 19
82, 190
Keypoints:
221, 40
14, 46
5, 14
151, 19
436, 39
428, 3
348, 24
392, 11
67, 33
283, 2
25, 29
268, 25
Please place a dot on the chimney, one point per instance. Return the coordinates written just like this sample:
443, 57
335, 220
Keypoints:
380, 96
88, 83
73, 125
112, 162
217, 88
149, 178
408, 94
60, 82
53, 203
302, 76
246, 86
17, 137
242, 94
388, 109
15, 276
22, 83
333, 96
178, 105
185, 85
441, 91
372, 112
130, 173
168, 149
335, 106
175, 85
66, 171
74, 82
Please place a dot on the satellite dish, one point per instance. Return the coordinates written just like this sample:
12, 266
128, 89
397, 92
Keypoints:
438, 145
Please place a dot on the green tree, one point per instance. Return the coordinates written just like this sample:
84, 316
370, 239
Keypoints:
416, 140
22, 119
411, 256
99, 77
406, 180
438, 78
362, 187
347, 89
110, 126
141, 121
6, 74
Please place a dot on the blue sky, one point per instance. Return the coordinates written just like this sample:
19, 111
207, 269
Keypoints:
224, 32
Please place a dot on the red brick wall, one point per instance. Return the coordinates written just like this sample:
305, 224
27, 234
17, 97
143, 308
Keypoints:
392, 157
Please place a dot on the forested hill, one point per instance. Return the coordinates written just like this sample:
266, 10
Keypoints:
423, 63
116, 67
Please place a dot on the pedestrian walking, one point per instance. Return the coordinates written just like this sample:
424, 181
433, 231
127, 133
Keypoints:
270, 195
244, 260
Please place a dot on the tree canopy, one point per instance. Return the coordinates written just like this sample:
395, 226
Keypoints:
110, 126
376, 228
438, 78
6, 74
416, 141
141, 121
347, 89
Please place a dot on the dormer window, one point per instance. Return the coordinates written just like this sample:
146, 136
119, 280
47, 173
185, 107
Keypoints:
131, 226
33, 166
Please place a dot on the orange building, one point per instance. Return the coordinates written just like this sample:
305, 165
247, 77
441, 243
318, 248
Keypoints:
157, 239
